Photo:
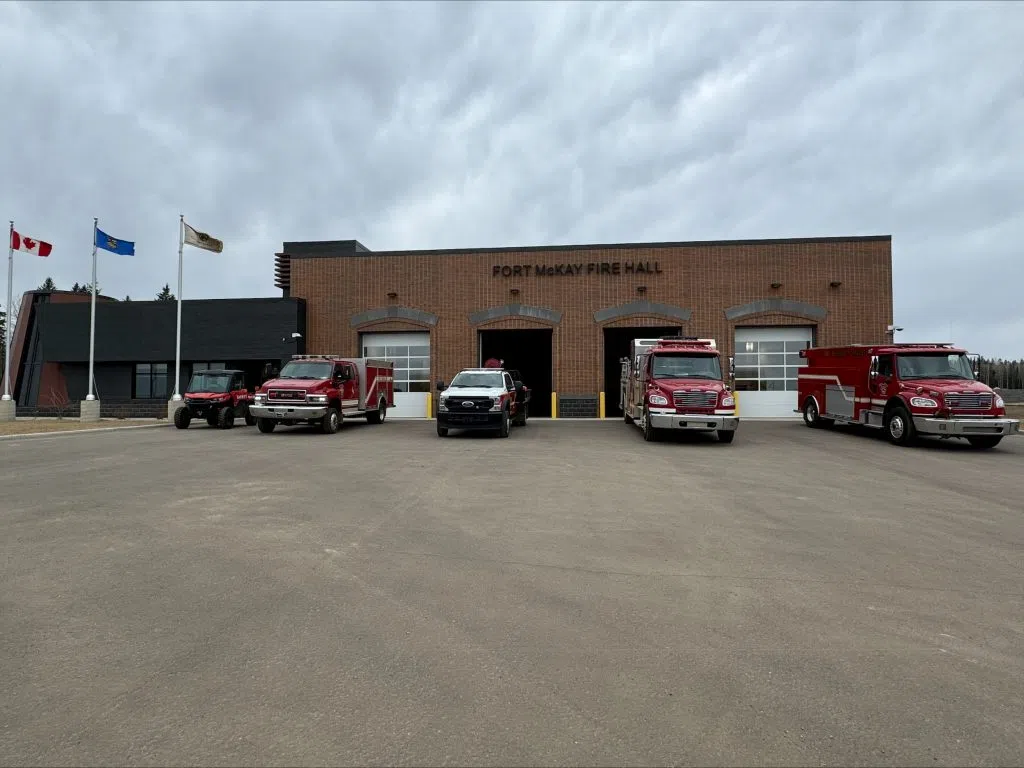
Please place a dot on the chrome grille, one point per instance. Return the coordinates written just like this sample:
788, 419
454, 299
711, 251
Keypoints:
468, 404
976, 402
694, 399
286, 396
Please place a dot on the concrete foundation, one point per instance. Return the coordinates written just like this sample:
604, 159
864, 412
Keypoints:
7, 410
172, 406
90, 410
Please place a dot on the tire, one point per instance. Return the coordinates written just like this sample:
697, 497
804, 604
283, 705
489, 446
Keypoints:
650, 433
506, 425
899, 427
250, 420
266, 426
226, 417
442, 431
986, 442
211, 418
811, 416
378, 416
182, 418
331, 421
726, 435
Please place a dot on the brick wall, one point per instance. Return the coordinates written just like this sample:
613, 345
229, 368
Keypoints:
705, 278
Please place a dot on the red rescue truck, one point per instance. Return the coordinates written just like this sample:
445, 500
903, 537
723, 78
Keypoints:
904, 389
323, 390
676, 382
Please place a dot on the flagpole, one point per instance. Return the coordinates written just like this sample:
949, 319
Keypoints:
177, 347
92, 313
7, 324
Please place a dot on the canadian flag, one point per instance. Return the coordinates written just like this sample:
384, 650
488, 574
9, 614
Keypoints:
28, 245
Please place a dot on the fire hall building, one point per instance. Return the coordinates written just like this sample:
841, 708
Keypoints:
564, 315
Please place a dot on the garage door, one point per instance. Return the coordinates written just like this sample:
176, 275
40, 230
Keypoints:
410, 352
767, 360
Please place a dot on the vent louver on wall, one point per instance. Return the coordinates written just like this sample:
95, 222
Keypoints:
282, 271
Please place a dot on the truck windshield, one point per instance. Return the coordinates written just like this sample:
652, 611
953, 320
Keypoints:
934, 367
306, 370
209, 382
479, 379
686, 367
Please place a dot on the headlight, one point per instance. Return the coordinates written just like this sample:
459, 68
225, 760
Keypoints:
999, 402
321, 399
728, 401
260, 397
656, 399
923, 402
442, 404
496, 404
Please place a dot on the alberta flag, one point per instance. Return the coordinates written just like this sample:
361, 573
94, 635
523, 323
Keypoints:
112, 244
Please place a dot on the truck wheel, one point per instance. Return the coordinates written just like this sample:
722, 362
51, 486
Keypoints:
250, 420
442, 431
182, 418
650, 433
506, 423
377, 417
726, 435
266, 426
986, 442
211, 417
899, 427
226, 417
331, 421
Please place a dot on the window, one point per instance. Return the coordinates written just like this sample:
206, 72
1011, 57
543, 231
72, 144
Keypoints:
478, 379
412, 364
508, 383
151, 381
768, 366
885, 366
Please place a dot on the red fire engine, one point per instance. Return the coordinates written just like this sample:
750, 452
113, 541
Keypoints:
676, 382
323, 390
904, 389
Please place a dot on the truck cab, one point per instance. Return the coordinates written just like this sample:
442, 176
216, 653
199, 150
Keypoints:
677, 383
904, 389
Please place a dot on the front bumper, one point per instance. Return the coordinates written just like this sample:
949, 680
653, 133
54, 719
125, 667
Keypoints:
456, 420
694, 421
202, 408
927, 425
288, 412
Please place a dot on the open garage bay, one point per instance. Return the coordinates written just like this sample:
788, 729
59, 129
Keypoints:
570, 595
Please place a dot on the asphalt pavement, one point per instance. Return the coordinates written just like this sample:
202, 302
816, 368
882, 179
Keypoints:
570, 595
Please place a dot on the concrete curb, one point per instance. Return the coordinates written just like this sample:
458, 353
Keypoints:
79, 431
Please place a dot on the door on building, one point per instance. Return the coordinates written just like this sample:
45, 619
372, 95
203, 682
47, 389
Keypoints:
410, 352
617, 342
767, 360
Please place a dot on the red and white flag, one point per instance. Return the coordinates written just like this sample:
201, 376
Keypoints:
29, 245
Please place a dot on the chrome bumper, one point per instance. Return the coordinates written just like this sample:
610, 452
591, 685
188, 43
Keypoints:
288, 412
926, 425
694, 421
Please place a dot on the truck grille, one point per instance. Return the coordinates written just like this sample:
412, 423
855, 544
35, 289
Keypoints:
979, 402
286, 396
468, 404
694, 399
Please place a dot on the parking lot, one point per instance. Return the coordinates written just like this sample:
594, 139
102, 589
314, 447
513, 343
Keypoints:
570, 595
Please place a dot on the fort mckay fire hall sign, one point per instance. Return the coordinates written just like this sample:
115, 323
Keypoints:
575, 270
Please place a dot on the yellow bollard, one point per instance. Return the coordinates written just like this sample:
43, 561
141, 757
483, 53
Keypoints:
600, 406
554, 405
430, 396
736, 398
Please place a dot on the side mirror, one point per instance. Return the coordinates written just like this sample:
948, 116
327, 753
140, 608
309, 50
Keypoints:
439, 386
517, 384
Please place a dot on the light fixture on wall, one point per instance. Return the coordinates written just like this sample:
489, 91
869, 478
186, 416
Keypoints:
514, 292
392, 295
776, 285
641, 289
835, 283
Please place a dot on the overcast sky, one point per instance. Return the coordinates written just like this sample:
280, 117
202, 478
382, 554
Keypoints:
467, 125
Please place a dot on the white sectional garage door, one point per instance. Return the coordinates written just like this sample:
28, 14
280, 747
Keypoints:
767, 360
410, 352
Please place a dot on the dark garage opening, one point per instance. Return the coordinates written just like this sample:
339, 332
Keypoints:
529, 352
616, 347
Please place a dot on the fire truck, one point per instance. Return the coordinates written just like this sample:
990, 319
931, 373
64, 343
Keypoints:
676, 382
324, 390
904, 389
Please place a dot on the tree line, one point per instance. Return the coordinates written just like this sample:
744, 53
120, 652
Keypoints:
49, 285
1007, 374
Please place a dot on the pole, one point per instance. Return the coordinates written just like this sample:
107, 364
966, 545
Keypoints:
92, 313
7, 325
177, 347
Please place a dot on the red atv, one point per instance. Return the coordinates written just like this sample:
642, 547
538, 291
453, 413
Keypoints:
219, 396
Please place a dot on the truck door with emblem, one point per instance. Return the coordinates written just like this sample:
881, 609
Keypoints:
510, 387
239, 394
880, 378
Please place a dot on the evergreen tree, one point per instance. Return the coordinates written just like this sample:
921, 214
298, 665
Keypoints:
165, 294
127, 298
48, 285
76, 288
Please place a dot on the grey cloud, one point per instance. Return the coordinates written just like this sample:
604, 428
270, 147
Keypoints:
500, 123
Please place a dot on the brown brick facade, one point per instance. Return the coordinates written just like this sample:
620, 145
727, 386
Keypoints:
704, 278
